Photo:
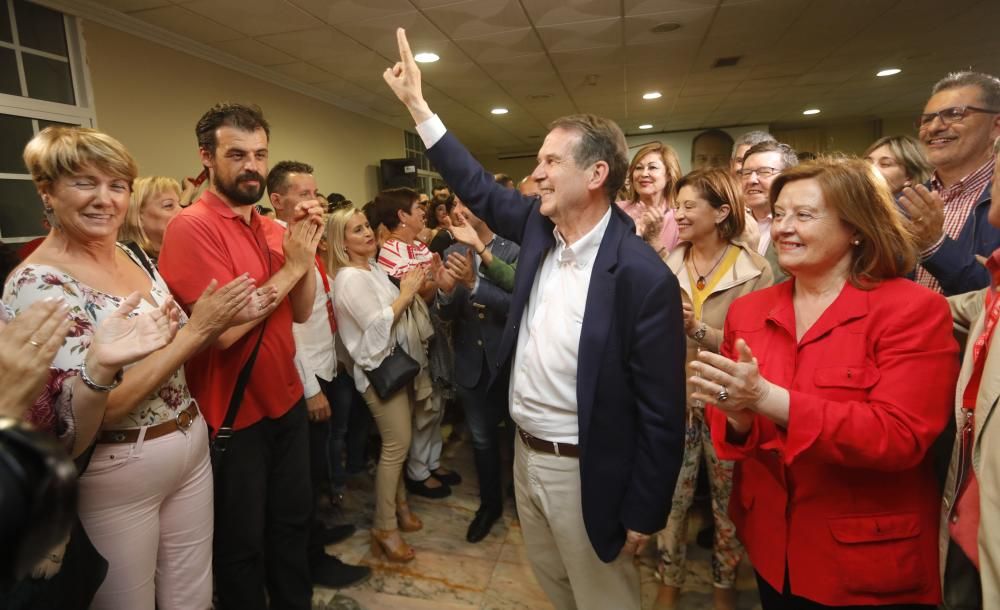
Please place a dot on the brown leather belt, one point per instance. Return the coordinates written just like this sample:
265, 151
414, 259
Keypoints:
183, 421
550, 447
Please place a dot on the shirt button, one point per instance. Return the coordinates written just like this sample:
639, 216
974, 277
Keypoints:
954, 518
482, 316
479, 342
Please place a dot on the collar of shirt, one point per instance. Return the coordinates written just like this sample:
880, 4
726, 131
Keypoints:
217, 205
975, 180
584, 251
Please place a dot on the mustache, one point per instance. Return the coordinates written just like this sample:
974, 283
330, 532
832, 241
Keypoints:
246, 177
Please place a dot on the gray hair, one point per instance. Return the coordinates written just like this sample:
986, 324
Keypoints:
752, 138
788, 156
989, 86
600, 140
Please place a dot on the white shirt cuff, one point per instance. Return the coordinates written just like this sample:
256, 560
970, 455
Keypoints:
431, 131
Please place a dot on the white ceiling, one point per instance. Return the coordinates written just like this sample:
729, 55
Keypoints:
546, 58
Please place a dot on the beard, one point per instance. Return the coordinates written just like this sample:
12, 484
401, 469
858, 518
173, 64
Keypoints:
237, 191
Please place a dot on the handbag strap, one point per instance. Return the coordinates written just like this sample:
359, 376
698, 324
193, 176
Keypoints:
222, 435
143, 258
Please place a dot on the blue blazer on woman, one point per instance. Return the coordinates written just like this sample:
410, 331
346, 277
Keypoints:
630, 376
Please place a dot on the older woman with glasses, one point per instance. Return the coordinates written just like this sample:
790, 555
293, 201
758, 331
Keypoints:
146, 497
828, 394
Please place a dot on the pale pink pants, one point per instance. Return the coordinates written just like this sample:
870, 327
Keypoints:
148, 507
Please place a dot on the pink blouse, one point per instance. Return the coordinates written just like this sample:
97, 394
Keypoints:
668, 234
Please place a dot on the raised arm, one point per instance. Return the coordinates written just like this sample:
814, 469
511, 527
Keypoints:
504, 210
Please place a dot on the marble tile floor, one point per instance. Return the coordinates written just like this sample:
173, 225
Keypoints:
451, 574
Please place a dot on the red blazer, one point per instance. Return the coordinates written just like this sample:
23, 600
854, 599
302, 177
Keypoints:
845, 495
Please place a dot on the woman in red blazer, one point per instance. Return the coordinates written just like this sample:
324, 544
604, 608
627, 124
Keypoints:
830, 390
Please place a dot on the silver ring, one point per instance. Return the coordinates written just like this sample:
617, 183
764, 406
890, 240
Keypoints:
723, 395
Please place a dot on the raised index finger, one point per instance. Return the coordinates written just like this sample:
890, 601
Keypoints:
405, 55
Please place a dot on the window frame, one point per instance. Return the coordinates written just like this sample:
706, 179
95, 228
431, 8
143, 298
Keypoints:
82, 113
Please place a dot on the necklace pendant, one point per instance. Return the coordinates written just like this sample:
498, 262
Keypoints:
700, 283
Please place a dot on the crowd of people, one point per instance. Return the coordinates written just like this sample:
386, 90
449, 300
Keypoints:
808, 332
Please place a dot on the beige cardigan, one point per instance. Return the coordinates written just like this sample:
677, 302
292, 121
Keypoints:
969, 313
750, 272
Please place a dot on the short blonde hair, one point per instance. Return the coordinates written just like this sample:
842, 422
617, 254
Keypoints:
144, 189
860, 196
59, 151
336, 226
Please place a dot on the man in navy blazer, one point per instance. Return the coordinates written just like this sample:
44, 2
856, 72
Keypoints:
478, 309
595, 345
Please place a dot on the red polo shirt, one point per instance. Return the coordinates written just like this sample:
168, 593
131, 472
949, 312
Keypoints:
209, 240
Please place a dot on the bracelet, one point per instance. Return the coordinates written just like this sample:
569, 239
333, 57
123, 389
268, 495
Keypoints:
93, 385
480, 252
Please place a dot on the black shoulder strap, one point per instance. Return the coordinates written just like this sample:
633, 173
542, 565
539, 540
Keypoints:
226, 430
143, 258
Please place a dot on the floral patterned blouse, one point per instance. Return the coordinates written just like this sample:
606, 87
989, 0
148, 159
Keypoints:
87, 308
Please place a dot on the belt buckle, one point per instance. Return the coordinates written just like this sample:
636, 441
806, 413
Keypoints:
118, 437
184, 420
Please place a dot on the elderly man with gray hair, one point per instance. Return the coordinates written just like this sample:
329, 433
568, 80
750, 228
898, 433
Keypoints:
743, 144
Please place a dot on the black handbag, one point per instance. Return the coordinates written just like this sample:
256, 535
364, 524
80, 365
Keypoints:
397, 370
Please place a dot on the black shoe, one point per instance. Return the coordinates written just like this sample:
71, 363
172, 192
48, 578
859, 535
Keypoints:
420, 488
333, 573
335, 534
485, 517
452, 478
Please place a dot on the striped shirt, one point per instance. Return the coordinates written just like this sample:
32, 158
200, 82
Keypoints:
959, 199
397, 257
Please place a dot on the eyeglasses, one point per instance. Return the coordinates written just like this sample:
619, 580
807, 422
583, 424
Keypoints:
955, 114
762, 172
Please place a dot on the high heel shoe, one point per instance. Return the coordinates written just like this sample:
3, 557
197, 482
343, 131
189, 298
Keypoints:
408, 522
388, 544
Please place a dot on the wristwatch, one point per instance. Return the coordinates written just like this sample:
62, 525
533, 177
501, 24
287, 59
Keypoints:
700, 333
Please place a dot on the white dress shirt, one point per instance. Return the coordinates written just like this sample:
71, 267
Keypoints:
543, 399
543, 381
764, 225
315, 351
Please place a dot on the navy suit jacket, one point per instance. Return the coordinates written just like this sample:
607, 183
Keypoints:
476, 337
630, 376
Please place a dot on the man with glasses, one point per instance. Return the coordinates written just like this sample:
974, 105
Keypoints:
761, 165
948, 215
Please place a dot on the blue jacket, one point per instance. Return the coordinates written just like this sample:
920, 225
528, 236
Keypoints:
954, 264
479, 319
630, 374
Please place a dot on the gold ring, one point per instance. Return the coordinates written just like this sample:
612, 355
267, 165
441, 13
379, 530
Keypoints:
35, 343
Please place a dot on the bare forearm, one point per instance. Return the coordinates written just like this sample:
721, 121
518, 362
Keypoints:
419, 110
284, 281
302, 295
150, 373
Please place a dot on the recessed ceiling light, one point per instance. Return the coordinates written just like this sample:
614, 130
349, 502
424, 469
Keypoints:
811, 111
652, 95
426, 58
499, 111
888, 72
663, 28
645, 126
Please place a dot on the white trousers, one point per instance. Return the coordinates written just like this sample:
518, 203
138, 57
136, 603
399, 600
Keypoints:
425, 446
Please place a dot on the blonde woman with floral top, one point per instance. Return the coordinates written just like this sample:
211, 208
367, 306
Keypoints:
146, 497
